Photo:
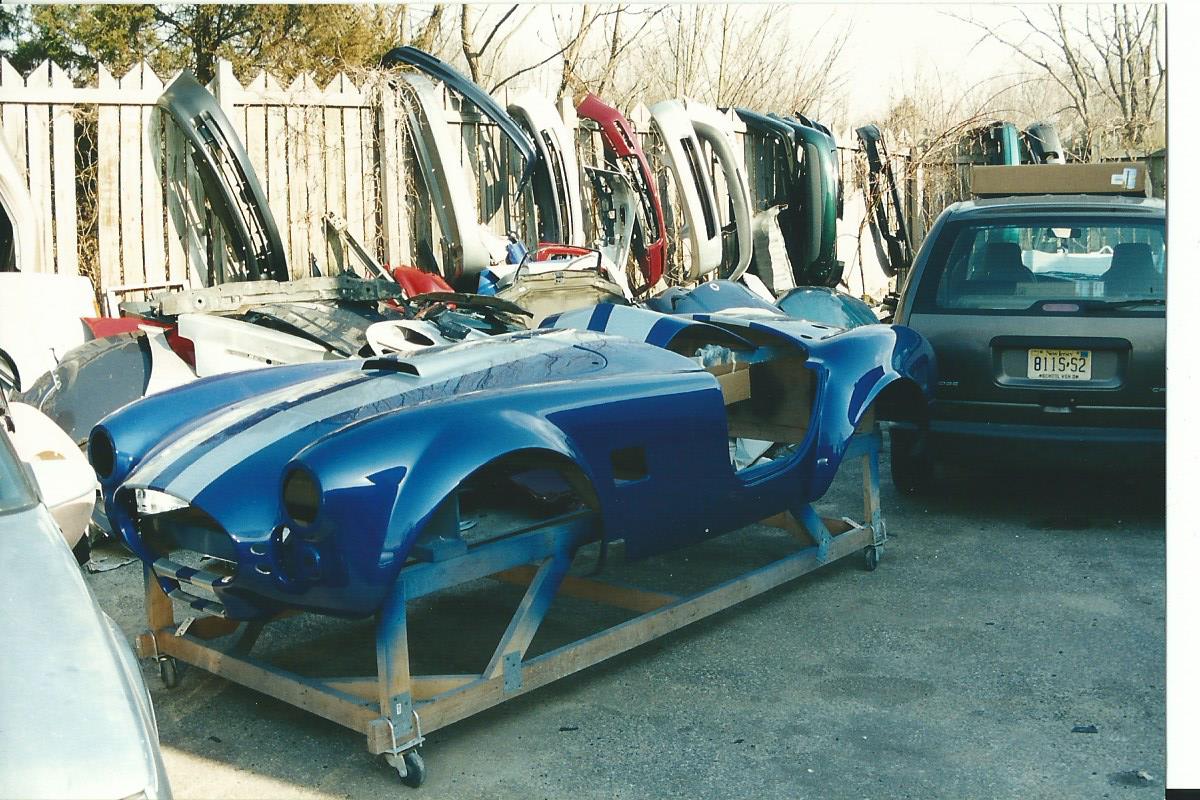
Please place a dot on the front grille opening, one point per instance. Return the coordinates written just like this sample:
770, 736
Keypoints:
188, 529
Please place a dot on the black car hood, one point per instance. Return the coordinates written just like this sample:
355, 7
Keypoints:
230, 184
436, 68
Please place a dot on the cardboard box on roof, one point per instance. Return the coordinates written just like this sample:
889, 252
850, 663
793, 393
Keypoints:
1130, 178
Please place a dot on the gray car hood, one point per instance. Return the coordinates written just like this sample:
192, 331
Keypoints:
230, 183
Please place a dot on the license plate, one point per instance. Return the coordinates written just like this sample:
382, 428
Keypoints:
1060, 365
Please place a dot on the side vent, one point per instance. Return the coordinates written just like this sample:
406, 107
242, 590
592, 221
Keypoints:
391, 365
629, 464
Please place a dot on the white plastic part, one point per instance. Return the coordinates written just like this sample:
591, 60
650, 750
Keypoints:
693, 183
451, 195
28, 253
167, 370
408, 335
230, 345
40, 319
65, 479
755, 284
556, 147
716, 130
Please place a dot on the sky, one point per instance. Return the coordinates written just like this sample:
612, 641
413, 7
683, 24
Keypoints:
890, 42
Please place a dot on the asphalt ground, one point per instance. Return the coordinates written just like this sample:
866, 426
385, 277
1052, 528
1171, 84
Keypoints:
1010, 645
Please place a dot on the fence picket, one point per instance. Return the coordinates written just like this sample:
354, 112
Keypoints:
108, 199
66, 240
153, 250
37, 132
129, 175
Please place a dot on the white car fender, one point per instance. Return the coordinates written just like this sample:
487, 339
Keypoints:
716, 130
556, 146
693, 182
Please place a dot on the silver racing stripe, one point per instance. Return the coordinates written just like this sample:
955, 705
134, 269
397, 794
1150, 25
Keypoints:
298, 411
147, 472
287, 421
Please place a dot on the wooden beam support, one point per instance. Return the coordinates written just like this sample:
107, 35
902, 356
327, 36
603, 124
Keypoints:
571, 658
611, 594
530, 613
296, 690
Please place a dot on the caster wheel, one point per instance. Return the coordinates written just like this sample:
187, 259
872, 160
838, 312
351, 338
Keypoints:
414, 769
871, 556
168, 670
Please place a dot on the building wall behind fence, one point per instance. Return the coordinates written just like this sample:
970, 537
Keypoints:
111, 175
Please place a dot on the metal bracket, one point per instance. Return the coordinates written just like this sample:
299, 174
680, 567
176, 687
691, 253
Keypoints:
512, 672
402, 711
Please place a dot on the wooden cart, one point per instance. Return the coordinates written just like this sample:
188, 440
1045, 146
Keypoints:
395, 708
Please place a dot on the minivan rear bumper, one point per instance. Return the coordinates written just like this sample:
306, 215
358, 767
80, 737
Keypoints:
956, 430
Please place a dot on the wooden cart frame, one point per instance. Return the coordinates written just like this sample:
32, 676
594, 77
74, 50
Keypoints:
395, 708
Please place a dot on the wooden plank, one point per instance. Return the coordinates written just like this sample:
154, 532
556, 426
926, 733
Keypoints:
297, 186
511, 551
352, 170
108, 198
390, 169
66, 213
154, 255
368, 164
160, 614
129, 175
276, 172
333, 151
314, 159
295, 690
40, 178
530, 612
178, 231
424, 687
391, 660
255, 137
611, 594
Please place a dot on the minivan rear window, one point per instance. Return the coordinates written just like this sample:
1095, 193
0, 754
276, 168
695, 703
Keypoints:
1010, 266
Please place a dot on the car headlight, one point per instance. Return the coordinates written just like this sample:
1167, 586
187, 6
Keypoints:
152, 501
102, 453
301, 496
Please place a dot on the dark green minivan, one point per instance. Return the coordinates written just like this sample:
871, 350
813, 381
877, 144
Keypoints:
1048, 317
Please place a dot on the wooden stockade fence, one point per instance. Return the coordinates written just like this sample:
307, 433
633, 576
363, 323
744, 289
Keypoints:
121, 200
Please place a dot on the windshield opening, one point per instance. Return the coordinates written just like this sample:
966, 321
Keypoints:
1020, 266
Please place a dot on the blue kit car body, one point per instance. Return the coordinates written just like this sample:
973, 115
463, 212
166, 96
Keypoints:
314, 483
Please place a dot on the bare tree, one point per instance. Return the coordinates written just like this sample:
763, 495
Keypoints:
730, 55
1107, 61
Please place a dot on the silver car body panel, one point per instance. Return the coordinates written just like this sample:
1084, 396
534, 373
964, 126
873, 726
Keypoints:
716, 130
693, 183
467, 247
556, 147
78, 722
28, 252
